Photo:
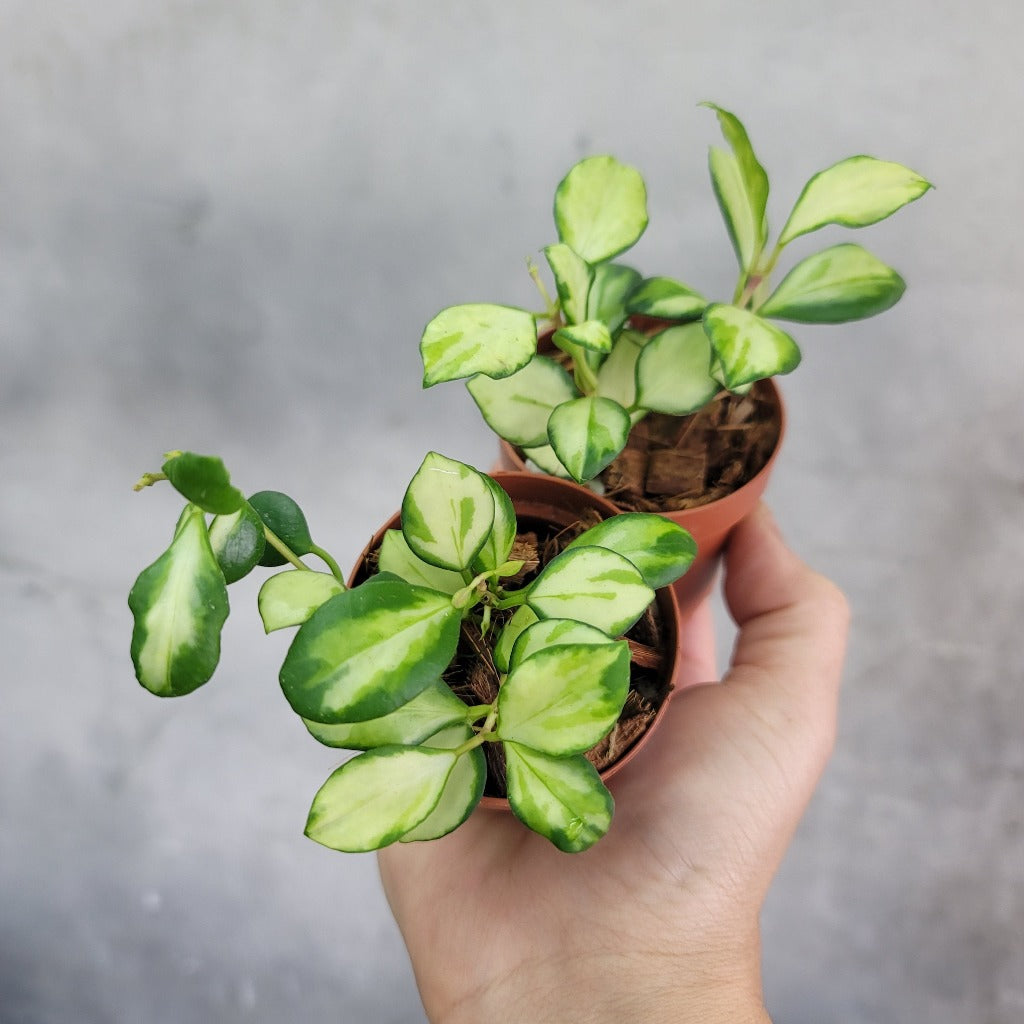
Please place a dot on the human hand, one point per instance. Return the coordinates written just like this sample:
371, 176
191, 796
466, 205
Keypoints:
659, 920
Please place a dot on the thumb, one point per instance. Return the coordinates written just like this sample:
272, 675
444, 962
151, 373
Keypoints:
787, 663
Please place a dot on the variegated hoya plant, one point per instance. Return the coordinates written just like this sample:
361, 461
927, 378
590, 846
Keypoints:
365, 670
574, 424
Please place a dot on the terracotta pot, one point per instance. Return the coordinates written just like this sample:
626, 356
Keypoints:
710, 524
561, 502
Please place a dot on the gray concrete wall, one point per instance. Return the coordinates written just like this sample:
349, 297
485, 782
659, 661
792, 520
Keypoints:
223, 225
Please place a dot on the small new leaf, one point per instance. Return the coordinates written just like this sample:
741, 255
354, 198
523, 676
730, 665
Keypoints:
290, 597
855, 192
839, 284
477, 338
179, 605
591, 335
573, 278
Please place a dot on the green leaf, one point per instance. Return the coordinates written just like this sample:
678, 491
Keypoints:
562, 798
573, 278
855, 192
564, 699
607, 302
600, 208
673, 371
368, 651
430, 711
616, 378
447, 512
461, 792
741, 188
397, 557
591, 335
238, 541
746, 347
587, 433
659, 548
377, 797
545, 459
502, 536
179, 605
839, 284
524, 617
553, 633
517, 408
203, 481
666, 299
291, 597
477, 338
283, 517
592, 585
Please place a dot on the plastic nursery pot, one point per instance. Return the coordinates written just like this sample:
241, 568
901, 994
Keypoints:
548, 499
709, 524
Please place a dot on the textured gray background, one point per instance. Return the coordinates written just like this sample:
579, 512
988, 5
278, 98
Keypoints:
223, 225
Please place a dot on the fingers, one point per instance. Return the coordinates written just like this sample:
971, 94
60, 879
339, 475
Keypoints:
792, 638
697, 648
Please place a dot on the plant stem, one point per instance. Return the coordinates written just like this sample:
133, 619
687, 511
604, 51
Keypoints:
513, 600
331, 564
148, 479
282, 549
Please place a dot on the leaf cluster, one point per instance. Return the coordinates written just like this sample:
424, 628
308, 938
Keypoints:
366, 667
571, 413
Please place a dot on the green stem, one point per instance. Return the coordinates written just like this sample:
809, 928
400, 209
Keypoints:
477, 711
148, 479
331, 564
513, 600
282, 549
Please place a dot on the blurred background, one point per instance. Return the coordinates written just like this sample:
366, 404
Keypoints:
223, 226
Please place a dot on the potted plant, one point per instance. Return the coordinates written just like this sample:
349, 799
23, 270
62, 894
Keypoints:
461, 630
644, 388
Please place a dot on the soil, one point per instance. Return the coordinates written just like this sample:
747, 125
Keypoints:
474, 679
677, 462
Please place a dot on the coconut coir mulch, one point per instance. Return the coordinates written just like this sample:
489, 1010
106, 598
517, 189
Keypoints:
678, 462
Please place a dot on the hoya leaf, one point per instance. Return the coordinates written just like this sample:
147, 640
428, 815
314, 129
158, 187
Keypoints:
746, 347
282, 517
741, 188
564, 699
591, 335
600, 208
616, 379
447, 512
397, 557
498, 545
203, 481
562, 798
839, 284
291, 597
461, 792
545, 459
477, 338
613, 282
661, 549
430, 711
666, 299
573, 277
179, 605
552, 633
368, 651
377, 797
587, 433
592, 585
523, 618
673, 371
238, 541
855, 192
517, 408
